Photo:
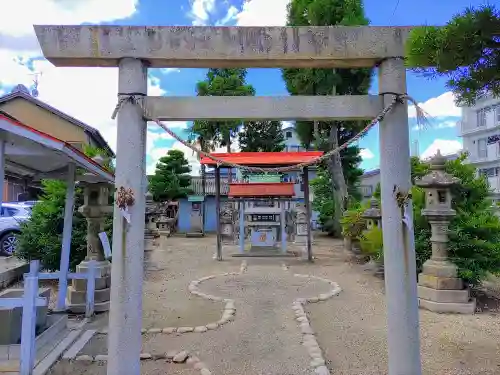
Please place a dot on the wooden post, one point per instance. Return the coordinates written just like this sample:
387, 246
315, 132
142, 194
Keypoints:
242, 226
305, 180
217, 212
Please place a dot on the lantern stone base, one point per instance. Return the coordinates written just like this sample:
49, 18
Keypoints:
441, 291
77, 291
300, 239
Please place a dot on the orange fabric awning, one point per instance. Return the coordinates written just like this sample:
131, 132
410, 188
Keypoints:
261, 189
263, 158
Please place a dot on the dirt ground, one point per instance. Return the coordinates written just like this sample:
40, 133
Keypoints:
264, 338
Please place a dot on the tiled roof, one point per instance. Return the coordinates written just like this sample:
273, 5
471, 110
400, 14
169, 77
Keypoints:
261, 189
263, 158
101, 142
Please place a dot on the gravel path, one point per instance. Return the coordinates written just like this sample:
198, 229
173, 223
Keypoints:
352, 330
265, 339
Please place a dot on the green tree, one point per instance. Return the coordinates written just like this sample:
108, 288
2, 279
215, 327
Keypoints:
221, 82
41, 235
475, 230
466, 51
342, 169
171, 179
261, 136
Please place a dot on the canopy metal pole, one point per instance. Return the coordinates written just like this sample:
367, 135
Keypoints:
66, 240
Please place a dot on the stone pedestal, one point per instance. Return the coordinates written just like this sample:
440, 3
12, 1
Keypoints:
95, 209
77, 291
439, 288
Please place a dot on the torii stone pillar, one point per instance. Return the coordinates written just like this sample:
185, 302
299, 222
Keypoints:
399, 249
125, 317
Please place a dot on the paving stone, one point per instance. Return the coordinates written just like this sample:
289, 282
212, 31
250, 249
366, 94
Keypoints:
171, 354
169, 330
154, 330
180, 357
84, 358
185, 329
192, 360
199, 366
317, 362
212, 326
101, 357
205, 371
144, 356
200, 329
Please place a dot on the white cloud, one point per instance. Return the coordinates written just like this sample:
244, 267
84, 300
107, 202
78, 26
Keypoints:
441, 106
170, 70
366, 153
201, 10
18, 18
231, 14
88, 94
263, 13
445, 146
433, 124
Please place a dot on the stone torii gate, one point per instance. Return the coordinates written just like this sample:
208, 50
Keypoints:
135, 48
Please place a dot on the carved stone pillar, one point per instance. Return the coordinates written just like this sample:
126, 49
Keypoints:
227, 222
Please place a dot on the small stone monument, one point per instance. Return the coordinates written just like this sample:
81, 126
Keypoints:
227, 222
439, 288
301, 228
95, 209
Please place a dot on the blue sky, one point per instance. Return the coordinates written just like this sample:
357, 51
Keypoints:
53, 86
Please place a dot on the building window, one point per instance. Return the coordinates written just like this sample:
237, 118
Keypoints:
489, 172
482, 150
481, 117
288, 135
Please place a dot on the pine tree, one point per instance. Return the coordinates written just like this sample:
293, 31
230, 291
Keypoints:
171, 179
342, 169
466, 50
261, 136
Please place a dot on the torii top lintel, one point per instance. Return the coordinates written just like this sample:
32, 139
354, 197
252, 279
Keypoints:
222, 47
263, 158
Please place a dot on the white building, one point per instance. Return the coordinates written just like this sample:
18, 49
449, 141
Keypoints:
480, 132
292, 141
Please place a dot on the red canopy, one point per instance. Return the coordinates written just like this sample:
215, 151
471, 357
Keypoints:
261, 189
263, 158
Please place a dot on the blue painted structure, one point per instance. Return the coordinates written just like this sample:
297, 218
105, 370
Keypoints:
210, 216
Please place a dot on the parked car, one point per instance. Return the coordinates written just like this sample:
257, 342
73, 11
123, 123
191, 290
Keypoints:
11, 216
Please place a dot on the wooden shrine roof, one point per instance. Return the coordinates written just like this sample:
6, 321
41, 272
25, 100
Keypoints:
261, 189
263, 158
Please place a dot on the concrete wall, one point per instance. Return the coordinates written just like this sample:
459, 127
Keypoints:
45, 121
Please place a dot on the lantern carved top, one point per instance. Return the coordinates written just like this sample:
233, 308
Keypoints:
151, 208
437, 177
373, 212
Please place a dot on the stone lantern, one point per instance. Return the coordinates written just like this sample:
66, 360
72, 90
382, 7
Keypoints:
373, 215
95, 209
150, 229
439, 288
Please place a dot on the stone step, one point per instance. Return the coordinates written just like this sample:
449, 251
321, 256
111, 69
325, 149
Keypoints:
445, 307
444, 296
80, 296
80, 308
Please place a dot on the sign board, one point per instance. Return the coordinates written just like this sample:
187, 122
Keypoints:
105, 244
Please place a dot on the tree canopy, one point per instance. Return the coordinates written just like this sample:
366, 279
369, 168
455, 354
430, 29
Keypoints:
221, 82
171, 179
466, 51
261, 136
342, 171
